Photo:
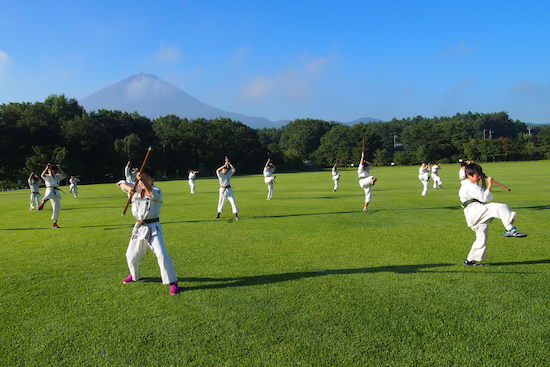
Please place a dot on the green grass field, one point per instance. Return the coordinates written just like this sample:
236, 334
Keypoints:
306, 279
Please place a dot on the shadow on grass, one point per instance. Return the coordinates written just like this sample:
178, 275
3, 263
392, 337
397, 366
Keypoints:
285, 277
536, 207
220, 283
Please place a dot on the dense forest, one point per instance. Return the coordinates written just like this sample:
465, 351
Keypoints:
96, 145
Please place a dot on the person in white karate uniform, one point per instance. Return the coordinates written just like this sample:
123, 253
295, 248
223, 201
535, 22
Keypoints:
424, 177
366, 181
52, 176
224, 174
147, 232
461, 171
73, 187
335, 176
479, 212
269, 178
191, 180
130, 174
435, 176
34, 185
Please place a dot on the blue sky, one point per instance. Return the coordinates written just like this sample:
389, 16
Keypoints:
334, 60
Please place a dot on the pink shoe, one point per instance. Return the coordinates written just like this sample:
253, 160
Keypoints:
174, 288
128, 279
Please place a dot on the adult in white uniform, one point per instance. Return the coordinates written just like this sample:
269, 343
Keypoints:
52, 176
130, 174
269, 178
335, 176
366, 181
435, 176
424, 177
224, 174
147, 232
479, 212
73, 182
461, 171
34, 185
191, 180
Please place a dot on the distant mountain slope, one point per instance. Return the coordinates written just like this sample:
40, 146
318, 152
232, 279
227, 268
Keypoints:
154, 97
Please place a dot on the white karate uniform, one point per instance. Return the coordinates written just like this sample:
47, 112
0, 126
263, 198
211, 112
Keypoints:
479, 215
462, 175
148, 235
130, 176
365, 180
191, 181
335, 178
52, 192
226, 192
73, 186
435, 176
269, 180
35, 193
424, 177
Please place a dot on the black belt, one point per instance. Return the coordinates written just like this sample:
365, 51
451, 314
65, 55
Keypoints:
226, 187
149, 221
468, 202
52, 187
36, 192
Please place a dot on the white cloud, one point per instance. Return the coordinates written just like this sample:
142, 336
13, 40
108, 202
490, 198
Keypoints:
5, 60
168, 54
294, 84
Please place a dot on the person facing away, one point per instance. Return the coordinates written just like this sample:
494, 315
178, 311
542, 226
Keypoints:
224, 174
479, 212
147, 232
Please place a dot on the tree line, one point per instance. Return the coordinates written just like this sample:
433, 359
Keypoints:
96, 145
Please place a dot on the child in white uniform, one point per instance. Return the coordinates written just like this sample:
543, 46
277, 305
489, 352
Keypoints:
52, 178
479, 212
461, 172
366, 181
424, 177
130, 174
269, 179
335, 176
435, 176
224, 174
34, 185
147, 232
191, 180
73, 181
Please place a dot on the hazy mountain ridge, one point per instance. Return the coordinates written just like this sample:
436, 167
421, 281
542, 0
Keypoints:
154, 97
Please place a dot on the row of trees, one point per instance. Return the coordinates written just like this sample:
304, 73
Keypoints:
96, 145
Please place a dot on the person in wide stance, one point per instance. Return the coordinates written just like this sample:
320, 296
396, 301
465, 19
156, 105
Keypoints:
147, 232
366, 181
479, 212
73, 187
269, 178
224, 174
34, 185
52, 176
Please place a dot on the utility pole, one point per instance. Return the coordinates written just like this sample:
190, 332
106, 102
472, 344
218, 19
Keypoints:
529, 127
484, 133
394, 137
